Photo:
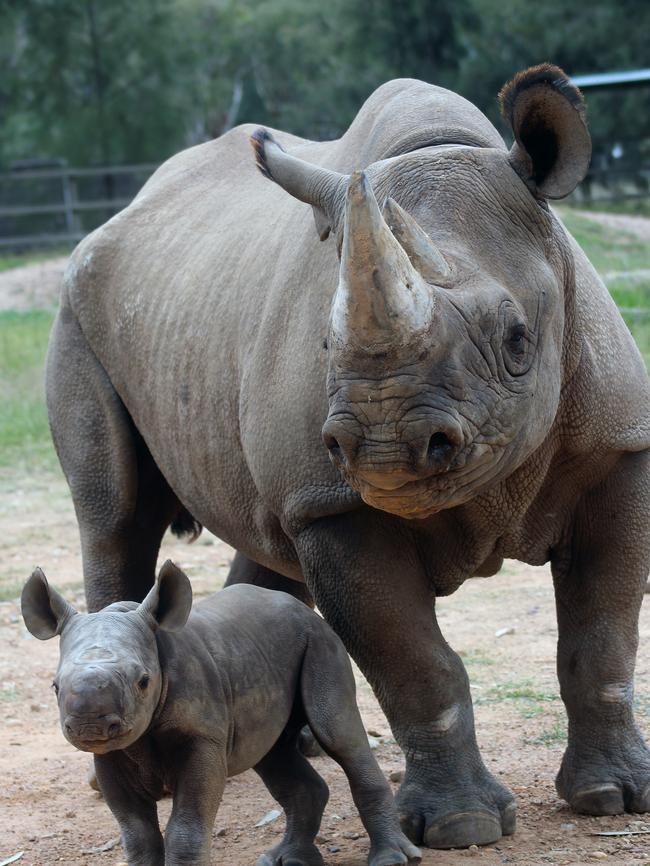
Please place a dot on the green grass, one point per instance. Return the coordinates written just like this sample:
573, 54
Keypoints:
24, 430
608, 249
553, 736
611, 251
17, 260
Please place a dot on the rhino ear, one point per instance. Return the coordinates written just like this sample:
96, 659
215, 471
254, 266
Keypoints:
170, 598
552, 146
323, 189
45, 611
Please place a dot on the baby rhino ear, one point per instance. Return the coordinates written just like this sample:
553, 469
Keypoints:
170, 599
45, 612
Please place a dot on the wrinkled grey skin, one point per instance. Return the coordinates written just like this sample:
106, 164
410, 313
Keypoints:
452, 348
171, 703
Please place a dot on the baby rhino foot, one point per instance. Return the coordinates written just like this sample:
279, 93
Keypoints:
394, 851
292, 854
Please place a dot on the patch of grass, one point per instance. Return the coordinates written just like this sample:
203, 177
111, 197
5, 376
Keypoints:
24, 430
8, 261
631, 207
8, 691
10, 591
523, 690
476, 658
606, 248
551, 736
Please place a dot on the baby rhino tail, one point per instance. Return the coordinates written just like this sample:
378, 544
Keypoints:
184, 525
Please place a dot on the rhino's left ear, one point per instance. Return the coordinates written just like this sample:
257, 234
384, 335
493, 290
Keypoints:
45, 611
552, 146
320, 187
169, 600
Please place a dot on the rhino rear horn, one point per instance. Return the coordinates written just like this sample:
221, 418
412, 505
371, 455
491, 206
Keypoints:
421, 250
552, 146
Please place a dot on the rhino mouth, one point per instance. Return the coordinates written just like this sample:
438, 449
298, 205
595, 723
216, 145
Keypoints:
423, 497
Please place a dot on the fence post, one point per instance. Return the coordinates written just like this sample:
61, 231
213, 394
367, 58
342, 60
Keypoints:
68, 202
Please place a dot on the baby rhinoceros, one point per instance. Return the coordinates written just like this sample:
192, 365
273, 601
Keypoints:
172, 700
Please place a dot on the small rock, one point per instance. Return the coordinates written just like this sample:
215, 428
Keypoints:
373, 742
569, 828
271, 815
70, 814
321, 839
396, 776
333, 849
351, 835
598, 855
473, 851
221, 831
501, 632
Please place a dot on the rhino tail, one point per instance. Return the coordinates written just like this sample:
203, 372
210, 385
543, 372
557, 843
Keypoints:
185, 525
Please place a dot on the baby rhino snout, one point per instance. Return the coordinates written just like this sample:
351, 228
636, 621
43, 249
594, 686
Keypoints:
84, 729
93, 708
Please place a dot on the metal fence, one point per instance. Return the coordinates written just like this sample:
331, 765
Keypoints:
41, 206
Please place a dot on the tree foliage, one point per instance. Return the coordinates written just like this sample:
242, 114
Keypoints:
114, 81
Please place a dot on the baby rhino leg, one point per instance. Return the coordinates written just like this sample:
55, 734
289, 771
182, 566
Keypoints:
329, 698
302, 793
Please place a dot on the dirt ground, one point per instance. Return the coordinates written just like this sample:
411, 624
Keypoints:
48, 811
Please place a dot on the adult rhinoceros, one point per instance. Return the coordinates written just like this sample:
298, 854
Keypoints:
450, 345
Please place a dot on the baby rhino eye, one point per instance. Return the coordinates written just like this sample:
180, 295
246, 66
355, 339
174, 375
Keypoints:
143, 682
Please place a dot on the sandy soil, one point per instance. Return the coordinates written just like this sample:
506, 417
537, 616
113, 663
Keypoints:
29, 286
48, 811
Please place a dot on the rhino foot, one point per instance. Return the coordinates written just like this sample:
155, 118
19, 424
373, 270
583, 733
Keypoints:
459, 815
291, 854
607, 782
394, 851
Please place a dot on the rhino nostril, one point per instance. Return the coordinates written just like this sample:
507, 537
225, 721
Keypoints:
332, 444
114, 729
440, 448
68, 729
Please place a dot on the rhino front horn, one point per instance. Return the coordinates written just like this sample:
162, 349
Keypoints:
381, 298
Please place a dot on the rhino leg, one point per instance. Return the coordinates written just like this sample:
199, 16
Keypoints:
303, 795
122, 502
328, 696
370, 585
245, 570
599, 585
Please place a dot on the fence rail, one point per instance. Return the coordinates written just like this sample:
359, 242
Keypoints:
60, 205
44, 206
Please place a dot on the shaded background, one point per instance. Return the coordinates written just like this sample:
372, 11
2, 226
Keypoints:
104, 82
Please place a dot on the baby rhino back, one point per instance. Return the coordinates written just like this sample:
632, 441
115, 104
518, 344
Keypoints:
233, 672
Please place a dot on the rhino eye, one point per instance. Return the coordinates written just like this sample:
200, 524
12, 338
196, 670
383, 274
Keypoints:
517, 339
518, 349
143, 682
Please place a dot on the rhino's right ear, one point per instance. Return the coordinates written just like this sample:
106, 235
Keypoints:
322, 188
170, 598
45, 611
